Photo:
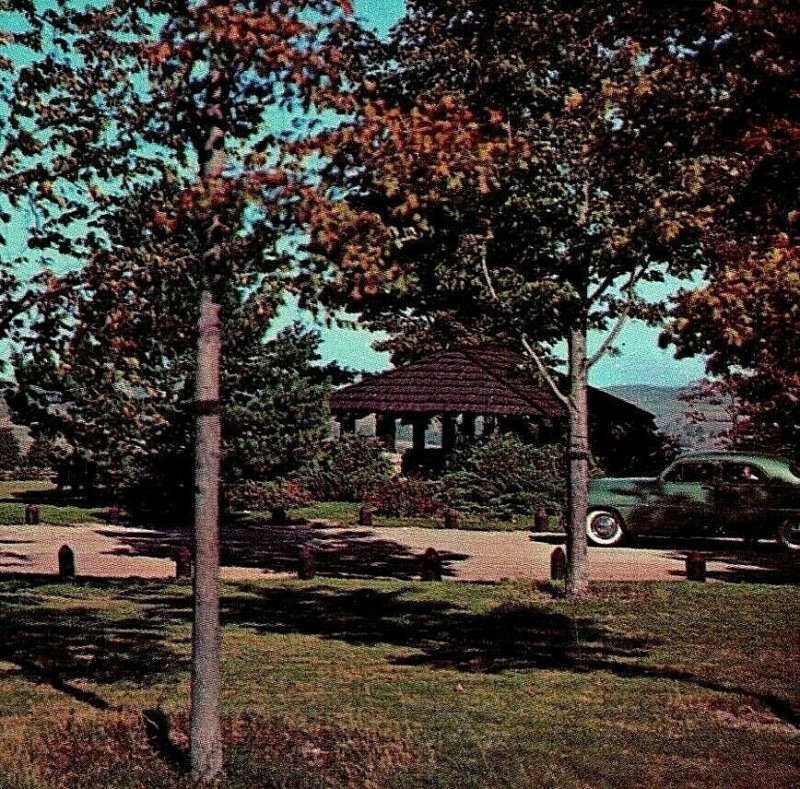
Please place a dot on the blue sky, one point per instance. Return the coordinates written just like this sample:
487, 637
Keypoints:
641, 361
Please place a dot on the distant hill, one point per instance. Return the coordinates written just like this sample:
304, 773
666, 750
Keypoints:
672, 413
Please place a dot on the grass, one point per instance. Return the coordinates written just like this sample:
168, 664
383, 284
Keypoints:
54, 508
391, 684
347, 513
12, 514
14, 488
14, 496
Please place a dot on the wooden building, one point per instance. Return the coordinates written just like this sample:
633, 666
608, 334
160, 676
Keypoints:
482, 389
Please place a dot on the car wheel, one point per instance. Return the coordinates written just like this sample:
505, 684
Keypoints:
604, 528
789, 534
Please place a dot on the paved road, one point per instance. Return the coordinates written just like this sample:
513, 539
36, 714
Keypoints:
115, 551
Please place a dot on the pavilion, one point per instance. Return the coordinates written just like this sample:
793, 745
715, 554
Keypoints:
466, 388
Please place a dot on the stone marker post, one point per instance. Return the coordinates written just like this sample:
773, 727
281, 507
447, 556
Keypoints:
305, 562
66, 562
365, 515
558, 564
695, 567
183, 562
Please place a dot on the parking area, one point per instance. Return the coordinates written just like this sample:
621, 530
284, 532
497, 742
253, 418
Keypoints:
116, 551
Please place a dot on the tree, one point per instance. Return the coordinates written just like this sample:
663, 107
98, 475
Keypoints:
10, 451
41, 453
745, 318
746, 321
129, 408
154, 96
521, 172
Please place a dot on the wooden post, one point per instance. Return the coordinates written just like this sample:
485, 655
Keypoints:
305, 562
385, 430
419, 426
66, 562
347, 424
468, 426
558, 564
448, 432
431, 565
695, 567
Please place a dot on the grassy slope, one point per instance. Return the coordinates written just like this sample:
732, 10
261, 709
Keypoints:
391, 684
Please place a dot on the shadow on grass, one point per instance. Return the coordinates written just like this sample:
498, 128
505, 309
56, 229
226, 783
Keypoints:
67, 647
338, 553
440, 635
79, 647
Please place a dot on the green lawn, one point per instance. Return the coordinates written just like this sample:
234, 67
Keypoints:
389, 684
347, 513
14, 488
14, 496
54, 508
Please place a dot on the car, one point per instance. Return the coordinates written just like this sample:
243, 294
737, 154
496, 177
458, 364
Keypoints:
710, 494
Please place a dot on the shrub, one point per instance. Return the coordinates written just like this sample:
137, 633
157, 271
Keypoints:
347, 470
402, 497
504, 476
279, 494
41, 453
10, 452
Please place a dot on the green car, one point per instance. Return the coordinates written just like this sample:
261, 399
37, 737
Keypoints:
709, 494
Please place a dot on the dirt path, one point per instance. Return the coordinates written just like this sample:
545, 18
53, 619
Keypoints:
114, 551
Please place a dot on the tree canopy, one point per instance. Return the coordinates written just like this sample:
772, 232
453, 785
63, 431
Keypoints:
526, 172
184, 102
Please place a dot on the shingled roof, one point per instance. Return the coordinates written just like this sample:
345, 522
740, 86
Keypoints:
482, 380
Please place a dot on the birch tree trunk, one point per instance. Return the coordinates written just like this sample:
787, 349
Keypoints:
577, 583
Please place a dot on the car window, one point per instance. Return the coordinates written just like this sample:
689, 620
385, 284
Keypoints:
691, 471
741, 472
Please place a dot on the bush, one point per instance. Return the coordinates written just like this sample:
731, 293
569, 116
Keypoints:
347, 470
404, 498
41, 453
10, 452
504, 476
276, 495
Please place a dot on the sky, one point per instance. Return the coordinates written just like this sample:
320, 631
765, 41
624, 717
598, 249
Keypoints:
640, 360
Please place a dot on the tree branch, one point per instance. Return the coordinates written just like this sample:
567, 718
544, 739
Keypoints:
485, 268
614, 333
545, 373
608, 341
529, 349
601, 288
583, 214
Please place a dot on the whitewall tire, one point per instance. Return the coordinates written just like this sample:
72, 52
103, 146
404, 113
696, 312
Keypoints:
604, 528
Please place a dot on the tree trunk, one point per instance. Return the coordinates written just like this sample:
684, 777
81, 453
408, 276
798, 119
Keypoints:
206, 737
577, 583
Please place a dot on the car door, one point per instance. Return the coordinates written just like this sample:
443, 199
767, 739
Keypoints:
685, 501
743, 497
